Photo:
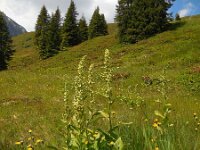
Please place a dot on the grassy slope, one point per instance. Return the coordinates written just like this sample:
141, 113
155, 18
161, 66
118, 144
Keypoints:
32, 90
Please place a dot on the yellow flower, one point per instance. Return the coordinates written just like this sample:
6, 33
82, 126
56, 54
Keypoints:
30, 131
39, 141
195, 114
18, 142
111, 143
155, 125
156, 148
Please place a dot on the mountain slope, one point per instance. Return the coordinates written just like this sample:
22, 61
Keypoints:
32, 89
13, 27
176, 50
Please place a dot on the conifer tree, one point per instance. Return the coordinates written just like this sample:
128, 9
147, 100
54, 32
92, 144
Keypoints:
104, 27
83, 30
5, 44
55, 31
70, 32
97, 26
139, 19
42, 34
123, 19
177, 17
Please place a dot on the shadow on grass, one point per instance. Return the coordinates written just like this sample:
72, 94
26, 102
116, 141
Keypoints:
176, 25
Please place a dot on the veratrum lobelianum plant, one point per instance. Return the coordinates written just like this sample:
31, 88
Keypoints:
79, 119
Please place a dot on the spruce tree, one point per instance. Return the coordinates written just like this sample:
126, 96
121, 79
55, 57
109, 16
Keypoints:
42, 34
5, 44
104, 27
55, 31
139, 19
177, 17
70, 32
83, 30
97, 26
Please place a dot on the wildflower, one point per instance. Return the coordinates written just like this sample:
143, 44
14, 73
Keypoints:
156, 148
30, 131
111, 143
156, 123
39, 141
18, 142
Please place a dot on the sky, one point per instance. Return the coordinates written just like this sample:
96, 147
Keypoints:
25, 12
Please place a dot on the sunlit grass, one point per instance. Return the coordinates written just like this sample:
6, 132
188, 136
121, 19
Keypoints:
31, 94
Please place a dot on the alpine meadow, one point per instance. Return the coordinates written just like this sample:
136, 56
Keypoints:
75, 83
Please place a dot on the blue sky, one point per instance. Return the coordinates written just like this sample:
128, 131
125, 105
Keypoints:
25, 12
186, 7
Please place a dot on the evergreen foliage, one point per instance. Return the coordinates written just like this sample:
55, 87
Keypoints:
177, 18
55, 31
104, 27
98, 25
5, 44
42, 34
70, 32
83, 30
139, 19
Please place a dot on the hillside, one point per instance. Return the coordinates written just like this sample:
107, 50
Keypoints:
32, 89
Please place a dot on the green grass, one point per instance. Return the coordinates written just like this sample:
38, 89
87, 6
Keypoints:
32, 89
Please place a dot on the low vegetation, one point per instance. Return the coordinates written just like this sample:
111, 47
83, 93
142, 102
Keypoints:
155, 92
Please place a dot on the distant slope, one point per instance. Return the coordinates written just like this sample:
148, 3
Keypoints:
14, 28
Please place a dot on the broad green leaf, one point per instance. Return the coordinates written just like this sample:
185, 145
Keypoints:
119, 144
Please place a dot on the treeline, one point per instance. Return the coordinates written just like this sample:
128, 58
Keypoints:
136, 20
51, 35
5, 44
139, 19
